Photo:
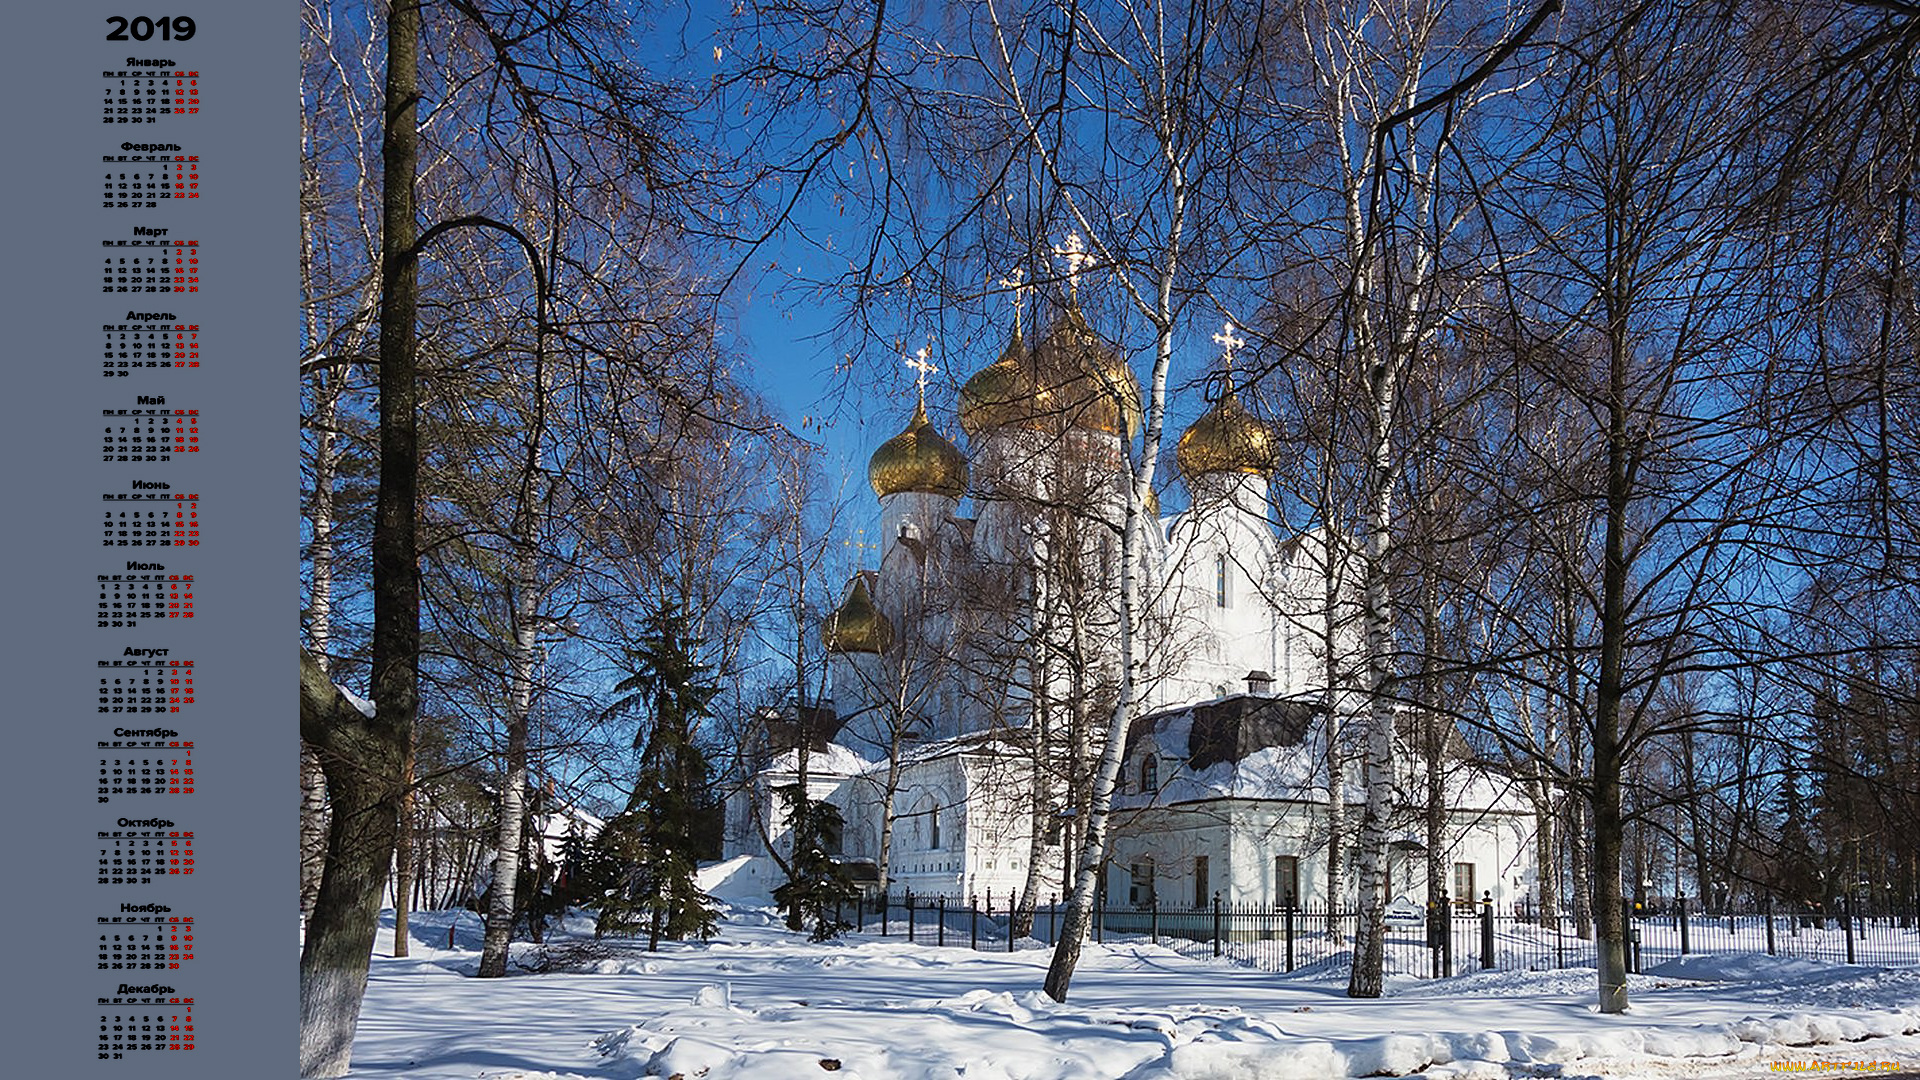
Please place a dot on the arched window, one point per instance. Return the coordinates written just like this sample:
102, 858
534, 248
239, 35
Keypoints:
1219, 581
1149, 775
928, 812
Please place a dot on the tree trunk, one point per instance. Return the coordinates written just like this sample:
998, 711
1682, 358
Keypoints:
1547, 873
1369, 954
513, 781
313, 828
403, 857
1334, 702
362, 762
1609, 831
362, 755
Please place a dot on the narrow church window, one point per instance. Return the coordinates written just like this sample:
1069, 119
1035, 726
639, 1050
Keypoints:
1463, 883
1286, 879
1149, 775
1140, 884
1201, 885
1219, 581
933, 827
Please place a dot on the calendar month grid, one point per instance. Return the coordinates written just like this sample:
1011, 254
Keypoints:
150, 519
143, 856
145, 686
148, 346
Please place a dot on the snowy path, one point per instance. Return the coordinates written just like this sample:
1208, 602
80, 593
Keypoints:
758, 1003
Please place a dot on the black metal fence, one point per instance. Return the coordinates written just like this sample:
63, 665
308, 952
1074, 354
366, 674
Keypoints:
1449, 938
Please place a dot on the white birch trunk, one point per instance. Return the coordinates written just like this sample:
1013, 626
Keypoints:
513, 783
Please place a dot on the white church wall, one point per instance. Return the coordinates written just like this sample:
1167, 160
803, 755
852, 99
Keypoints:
928, 853
999, 816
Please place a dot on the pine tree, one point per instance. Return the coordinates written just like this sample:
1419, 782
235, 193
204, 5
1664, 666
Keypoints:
654, 841
818, 889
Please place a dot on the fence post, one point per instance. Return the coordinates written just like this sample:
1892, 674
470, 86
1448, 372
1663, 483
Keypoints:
1053, 915
1486, 929
1446, 933
1680, 905
973, 906
886, 903
1013, 901
1629, 937
1290, 933
942, 933
1846, 920
1216, 924
1153, 918
1770, 948
910, 917
1559, 942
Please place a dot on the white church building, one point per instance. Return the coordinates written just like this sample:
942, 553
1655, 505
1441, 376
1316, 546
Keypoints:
973, 674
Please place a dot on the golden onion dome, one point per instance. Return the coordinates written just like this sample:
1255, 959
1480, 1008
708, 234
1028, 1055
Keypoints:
1087, 381
998, 394
918, 459
1226, 438
857, 626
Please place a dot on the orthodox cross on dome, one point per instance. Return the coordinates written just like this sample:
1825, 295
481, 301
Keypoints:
919, 362
1075, 254
1017, 282
1228, 343
860, 547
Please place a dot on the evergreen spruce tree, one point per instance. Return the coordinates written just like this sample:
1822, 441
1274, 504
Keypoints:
819, 889
654, 841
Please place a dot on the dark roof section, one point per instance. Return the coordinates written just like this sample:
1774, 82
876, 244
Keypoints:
775, 731
1416, 728
1232, 728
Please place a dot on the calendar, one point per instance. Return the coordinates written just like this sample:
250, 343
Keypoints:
146, 181
150, 265
148, 434
155, 770
145, 686
150, 519
109, 107
144, 856
136, 96
144, 942
131, 600
140, 1018
149, 346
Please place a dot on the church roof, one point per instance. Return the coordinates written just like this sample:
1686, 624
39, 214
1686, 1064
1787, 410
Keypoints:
1071, 378
857, 625
1251, 747
918, 459
1226, 439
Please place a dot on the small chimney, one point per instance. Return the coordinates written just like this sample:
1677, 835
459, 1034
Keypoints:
1259, 683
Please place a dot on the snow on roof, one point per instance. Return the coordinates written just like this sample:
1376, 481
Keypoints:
830, 760
1249, 747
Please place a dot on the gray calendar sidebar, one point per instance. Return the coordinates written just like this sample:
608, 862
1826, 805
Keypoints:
224, 262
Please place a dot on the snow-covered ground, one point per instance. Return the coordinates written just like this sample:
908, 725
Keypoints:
757, 1002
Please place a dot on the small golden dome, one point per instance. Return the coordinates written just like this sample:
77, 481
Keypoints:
857, 626
1072, 378
1088, 383
1227, 438
918, 459
997, 394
